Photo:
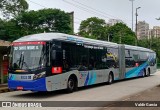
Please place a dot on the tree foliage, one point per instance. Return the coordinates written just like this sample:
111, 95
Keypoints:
9, 30
12, 8
32, 22
93, 28
153, 43
45, 20
96, 28
144, 43
120, 33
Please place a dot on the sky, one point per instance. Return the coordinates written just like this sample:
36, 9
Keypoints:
104, 9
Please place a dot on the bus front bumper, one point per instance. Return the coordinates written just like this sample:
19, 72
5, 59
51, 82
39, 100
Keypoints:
35, 85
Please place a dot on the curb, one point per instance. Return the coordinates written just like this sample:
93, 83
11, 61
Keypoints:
4, 89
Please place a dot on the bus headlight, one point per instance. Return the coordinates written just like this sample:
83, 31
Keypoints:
40, 75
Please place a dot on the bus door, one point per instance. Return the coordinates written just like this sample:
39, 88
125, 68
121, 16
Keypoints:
56, 64
56, 57
121, 61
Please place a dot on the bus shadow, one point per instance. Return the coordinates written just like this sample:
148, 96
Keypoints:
106, 84
134, 78
38, 95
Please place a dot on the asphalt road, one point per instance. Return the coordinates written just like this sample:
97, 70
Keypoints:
117, 91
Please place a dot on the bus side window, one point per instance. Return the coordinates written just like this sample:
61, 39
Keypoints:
65, 65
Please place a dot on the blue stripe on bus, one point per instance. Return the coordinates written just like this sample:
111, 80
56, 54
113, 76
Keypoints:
138, 71
91, 78
116, 78
94, 77
35, 85
86, 81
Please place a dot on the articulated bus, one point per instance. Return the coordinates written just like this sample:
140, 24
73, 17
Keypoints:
54, 61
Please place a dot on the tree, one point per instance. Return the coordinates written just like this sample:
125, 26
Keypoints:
153, 43
2, 28
120, 33
12, 8
144, 43
32, 22
94, 28
45, 20
9, 31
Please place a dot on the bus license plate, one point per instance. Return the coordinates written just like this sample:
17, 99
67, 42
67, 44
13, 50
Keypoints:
19, 88
26, 77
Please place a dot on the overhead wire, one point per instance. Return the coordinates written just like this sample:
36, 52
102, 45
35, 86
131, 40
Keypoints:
104, 13
46, 7
36, 3
86, 10
98, 11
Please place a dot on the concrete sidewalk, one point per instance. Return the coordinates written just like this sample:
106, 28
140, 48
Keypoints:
152, 94
4, 88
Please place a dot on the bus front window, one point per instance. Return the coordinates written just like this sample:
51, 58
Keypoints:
28, 57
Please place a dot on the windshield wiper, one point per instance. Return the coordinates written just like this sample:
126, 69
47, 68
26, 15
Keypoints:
42, 58
27, 66
21, 62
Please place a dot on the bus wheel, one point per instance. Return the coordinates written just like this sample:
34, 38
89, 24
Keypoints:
148, 73
71, 85
143, 74
110, 78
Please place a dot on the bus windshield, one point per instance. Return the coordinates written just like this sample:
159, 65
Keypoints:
27, 57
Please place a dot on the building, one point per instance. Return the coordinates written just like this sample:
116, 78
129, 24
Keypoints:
154, 33
150, 33
112, 22
142, 30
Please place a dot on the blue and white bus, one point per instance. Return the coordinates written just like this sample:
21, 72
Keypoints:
54, 61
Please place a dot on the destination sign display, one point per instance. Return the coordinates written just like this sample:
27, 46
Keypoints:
93, 47
29, 47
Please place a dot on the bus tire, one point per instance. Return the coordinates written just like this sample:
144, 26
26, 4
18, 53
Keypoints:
71, 84
110, 78
148, 72
144, 73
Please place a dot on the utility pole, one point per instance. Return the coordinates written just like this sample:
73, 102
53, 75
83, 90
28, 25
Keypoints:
71, 14
120, 38
132, 13
136, 25
150, 38
108, 37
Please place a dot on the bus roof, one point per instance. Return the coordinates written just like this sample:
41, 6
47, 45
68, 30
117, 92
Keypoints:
137, 48
64, 37
74, 38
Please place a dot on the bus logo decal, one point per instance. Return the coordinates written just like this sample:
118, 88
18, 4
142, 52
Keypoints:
12, 77
86, 80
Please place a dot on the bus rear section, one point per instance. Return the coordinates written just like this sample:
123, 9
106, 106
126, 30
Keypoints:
139, 62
